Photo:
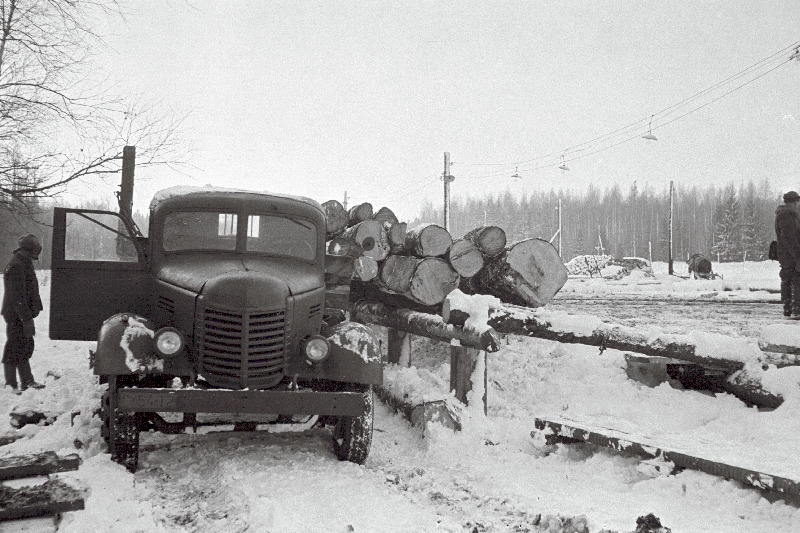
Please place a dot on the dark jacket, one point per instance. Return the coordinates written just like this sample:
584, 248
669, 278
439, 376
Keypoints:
20, 289
787, 232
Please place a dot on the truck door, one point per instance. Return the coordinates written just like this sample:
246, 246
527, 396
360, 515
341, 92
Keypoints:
98, 269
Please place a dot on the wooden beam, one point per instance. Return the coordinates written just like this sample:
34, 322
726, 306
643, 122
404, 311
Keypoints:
49, 498
570, 431
398, 348
39, 464
463, 362
430, 326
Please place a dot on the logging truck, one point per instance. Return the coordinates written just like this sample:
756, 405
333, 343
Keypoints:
219, 310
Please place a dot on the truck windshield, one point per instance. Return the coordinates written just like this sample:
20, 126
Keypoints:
266, 234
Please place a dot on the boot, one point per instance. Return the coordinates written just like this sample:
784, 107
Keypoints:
795, 303
786, 296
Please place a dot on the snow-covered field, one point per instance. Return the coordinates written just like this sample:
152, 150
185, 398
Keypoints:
492, 476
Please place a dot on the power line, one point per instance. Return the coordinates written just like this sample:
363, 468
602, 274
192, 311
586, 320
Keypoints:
633, 130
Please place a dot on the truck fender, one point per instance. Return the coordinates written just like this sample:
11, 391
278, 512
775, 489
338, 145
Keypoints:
355, 339
125, 346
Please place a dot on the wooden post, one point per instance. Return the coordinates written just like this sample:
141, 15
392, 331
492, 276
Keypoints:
126, 185
398, 351
463, 361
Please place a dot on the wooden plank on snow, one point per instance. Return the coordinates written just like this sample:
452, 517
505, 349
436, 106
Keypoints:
39, 464
570, 431
41, 500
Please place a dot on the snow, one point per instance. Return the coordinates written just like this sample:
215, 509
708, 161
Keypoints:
183, 190
491, 476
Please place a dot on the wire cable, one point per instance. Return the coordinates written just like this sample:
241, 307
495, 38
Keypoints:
631, 131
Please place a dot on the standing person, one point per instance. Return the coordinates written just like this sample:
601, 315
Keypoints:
21, 304
787, 232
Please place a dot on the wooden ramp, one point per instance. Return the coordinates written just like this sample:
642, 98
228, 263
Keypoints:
568, 431
36, 500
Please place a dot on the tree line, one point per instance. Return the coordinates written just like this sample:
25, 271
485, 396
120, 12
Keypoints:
725, 223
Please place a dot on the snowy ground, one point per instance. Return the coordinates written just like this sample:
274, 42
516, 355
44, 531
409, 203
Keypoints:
492, 476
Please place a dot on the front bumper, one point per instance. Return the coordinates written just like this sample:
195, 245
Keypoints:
250, 401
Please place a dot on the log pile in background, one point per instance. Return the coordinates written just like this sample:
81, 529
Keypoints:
424, 264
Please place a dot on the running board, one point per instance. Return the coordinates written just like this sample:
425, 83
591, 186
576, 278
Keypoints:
571, 432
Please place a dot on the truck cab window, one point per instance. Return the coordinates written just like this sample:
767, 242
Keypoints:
199, 230
275, 235
97, 237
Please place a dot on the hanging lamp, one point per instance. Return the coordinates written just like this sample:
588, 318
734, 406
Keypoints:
649, 136
563, 165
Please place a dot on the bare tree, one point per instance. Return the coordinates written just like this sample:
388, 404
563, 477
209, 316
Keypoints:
57, 123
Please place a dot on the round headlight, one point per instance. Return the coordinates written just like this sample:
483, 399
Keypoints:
168, 341
316, 348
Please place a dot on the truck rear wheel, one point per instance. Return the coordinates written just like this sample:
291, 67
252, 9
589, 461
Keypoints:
352, 435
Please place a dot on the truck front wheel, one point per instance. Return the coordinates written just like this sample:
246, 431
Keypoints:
120, 430
352, 435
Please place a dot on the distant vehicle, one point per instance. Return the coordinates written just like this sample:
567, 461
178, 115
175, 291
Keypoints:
221, 309
700, 267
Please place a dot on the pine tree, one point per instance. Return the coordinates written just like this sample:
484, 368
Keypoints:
727, 232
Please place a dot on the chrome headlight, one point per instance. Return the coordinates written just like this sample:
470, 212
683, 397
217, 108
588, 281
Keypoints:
168, 341
316, 348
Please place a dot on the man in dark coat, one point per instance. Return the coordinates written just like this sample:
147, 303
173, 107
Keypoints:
21, 304
787, 231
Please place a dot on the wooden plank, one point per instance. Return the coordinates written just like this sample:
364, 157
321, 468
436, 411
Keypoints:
420, 415
423, 324
569, 431
398, 350
36, 465
41, 500
463, 361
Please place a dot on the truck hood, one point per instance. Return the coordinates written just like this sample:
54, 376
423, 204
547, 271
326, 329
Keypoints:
193, 273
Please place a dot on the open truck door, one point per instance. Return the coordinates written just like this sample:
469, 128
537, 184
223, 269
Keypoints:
99, 268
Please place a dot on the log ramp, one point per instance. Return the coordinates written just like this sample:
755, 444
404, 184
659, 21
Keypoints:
567, 431
34, 500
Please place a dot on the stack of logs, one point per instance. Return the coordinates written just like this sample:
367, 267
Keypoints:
424, 264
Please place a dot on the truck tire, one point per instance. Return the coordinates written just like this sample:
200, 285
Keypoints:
352, 435
125, 440
120, 430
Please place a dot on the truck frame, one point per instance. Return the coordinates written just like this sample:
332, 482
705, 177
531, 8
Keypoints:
220, 309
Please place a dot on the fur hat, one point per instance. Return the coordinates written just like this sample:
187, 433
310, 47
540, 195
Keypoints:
791, 197
30, 243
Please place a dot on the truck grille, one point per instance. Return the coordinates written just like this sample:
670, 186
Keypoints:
242, 349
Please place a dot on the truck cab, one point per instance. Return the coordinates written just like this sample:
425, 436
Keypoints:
221, 309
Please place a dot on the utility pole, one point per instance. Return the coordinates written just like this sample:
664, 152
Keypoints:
447, 179
345, 201
671, 210
559, 227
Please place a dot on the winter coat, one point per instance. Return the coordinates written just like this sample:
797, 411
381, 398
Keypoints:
21, 299
787, 232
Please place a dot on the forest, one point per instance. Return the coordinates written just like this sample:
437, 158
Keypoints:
725, 223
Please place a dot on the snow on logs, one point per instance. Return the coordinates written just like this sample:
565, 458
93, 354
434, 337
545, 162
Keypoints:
752, 374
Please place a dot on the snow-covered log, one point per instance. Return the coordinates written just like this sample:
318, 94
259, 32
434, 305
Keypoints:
424, 324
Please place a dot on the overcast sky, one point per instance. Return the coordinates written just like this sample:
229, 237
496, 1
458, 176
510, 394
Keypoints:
319, 98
